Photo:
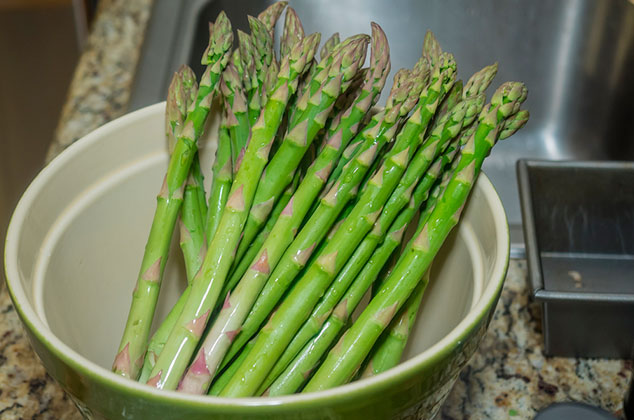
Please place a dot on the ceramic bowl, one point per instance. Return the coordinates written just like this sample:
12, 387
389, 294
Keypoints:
72, 253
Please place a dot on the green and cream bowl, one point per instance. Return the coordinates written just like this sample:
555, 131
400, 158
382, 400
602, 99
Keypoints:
73, 250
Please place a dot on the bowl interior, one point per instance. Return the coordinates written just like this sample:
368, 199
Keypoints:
77, 238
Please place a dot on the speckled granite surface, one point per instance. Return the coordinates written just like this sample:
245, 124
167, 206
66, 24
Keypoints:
509, 377
100, 89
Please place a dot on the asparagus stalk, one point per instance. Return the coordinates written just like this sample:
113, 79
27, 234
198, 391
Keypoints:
258, 242
246, 64
269, 82
257, 55
192, 231
347, 97
310, 84
299, 370
159, 338
293, 311
129, 358
329, 45
480, 81
324, 54
314, 110
431, 48
397, 106
236, 111
198, 189
512, 124
456, 115
422, 179
375, 136
344, 359
509, 127
238, 303
222, 168
293, 32
308, 359
271, 14
452, 123
451, 100
222, 380
263, 53
212, 274
388, 350
181, 95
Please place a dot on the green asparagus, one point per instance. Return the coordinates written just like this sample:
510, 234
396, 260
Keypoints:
374, 137
344, 359
237, 305
292, 312
131, 352
210, 279
314, 111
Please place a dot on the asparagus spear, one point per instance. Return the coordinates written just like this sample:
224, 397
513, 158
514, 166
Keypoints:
236, 107
388, 350
249, 78
221, 380
181, 95
198, 189
346, 98
223, 164
431, 48
324, 54
292, 376
237, 305
512, 124
344, 359
314, 110
456, 115
271, 14
473, 101
299, 370
293, 32
210, 278
452, 123
258, 242
451, 100
480, 81
129, 358
310, 84
329, 45
400, 197
192, 231
257, 54
375, 136
293, 311
397, 106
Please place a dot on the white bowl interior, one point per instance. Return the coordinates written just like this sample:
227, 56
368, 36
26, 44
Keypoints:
81, 239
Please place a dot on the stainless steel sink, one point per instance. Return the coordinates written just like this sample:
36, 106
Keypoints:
576, 57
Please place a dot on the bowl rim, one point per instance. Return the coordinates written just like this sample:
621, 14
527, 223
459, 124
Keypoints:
376, 384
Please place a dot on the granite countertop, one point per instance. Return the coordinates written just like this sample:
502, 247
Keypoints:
509, 377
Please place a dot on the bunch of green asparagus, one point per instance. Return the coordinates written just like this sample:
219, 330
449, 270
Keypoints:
312, 192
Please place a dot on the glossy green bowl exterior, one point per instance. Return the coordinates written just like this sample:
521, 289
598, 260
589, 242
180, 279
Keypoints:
414, 389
